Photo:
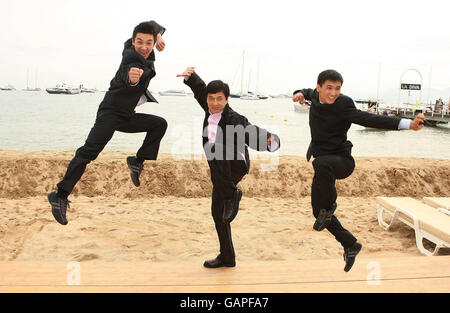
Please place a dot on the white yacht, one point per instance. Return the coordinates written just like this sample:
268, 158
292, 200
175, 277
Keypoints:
281, 96
249, 96
63, 89
173, 93
9, 87
87, 90
28, 83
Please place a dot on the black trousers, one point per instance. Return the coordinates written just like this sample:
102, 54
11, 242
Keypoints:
101, 133
225, 175
327, 169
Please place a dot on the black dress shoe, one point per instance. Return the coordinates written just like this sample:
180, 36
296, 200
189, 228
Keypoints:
59, 207
350, 255
218, 262
231, 207
324, 218
135, 169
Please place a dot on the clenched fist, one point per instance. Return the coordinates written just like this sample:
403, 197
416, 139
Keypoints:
160, 43
135, 74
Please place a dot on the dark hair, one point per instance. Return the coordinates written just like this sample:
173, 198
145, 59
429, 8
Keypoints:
216, 86
329, 75
146, 28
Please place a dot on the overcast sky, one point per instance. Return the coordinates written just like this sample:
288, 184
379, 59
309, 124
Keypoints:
81, 42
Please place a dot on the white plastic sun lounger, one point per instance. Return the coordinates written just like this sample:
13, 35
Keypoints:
426, 221
442, 203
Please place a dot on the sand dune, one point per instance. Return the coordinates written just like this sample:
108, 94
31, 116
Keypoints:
29, 174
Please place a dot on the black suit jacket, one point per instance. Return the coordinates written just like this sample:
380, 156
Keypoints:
122, 98
247, 135
329, 123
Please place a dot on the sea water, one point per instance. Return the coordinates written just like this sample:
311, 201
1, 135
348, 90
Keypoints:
40, 121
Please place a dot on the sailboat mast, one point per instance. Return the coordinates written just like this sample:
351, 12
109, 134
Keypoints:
257, 80
378, 83
378, 88
429, 86
28, 74
249, 79
242, 73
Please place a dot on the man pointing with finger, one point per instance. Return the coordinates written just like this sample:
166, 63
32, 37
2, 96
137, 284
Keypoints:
128, 89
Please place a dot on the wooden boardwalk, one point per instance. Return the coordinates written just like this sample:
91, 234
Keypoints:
402, 274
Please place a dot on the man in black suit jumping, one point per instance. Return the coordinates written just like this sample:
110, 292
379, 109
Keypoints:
226, 135
128, 89
330, 117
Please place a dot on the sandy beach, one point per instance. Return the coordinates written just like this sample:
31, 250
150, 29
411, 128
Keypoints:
168, 217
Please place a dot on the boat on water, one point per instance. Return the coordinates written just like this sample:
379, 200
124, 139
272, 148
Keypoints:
364, 101
281, 96
32, 89
249, 96
63, 89
8, 87
241, 92
236, 95
173, 93
87, 90
28, 85
370, 103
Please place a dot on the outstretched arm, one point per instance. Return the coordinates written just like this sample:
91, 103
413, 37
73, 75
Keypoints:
353, 115
260, 139
197, 86
302, 95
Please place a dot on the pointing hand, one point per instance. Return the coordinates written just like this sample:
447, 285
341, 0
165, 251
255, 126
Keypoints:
188, 72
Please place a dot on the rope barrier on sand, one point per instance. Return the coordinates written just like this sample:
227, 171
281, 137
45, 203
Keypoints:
241, 284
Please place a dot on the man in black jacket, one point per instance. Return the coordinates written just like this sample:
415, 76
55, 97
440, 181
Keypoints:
330, 117
117, 112
226, 135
